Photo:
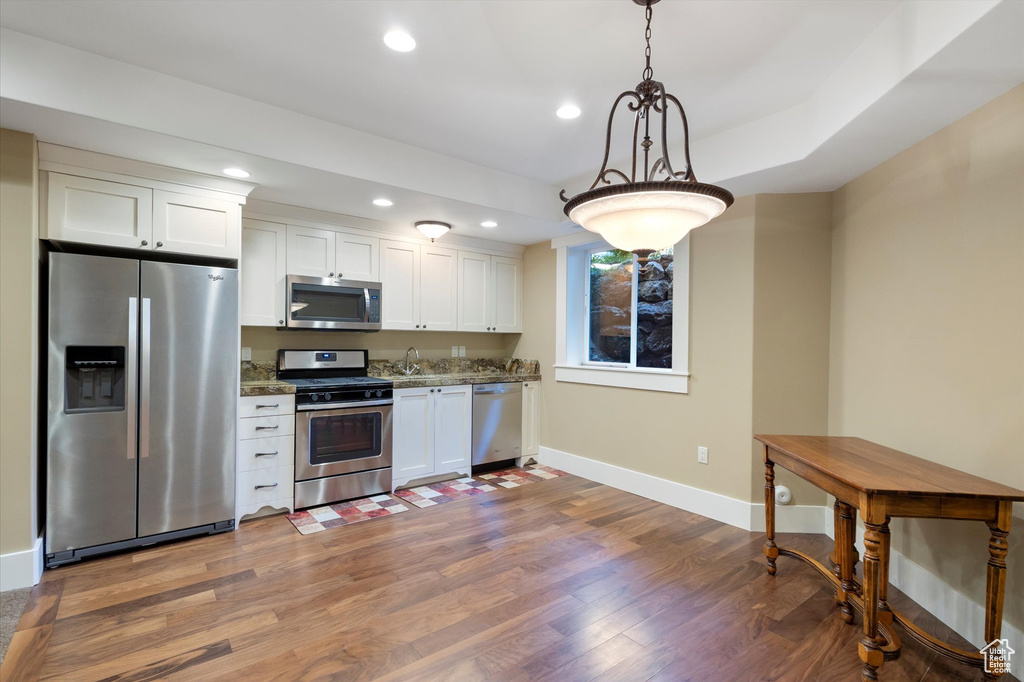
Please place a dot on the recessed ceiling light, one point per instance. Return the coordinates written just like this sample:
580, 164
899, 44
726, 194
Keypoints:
488, 223
383, 202
236, 172
399, 41
568, 111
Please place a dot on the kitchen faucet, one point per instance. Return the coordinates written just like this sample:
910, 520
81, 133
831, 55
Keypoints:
409, 370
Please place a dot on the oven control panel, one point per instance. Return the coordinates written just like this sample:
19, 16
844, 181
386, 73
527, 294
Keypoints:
343, 395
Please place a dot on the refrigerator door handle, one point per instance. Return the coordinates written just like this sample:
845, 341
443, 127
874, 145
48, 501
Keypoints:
144, 383
132, 371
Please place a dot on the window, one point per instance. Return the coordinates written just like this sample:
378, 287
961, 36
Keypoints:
628, 310
617, 326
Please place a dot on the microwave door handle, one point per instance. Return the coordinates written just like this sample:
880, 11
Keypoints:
366, 305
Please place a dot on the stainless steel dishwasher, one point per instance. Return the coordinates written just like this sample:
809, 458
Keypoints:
497, 422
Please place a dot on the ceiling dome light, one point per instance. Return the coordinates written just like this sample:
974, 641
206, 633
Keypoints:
383, 202
568, 111
654, 206
235, 172
488, 223
399, 41
433, 228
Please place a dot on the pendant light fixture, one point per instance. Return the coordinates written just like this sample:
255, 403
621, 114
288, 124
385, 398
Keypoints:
432, 228
654, 206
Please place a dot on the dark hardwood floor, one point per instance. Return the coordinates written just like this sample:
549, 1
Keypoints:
562, 580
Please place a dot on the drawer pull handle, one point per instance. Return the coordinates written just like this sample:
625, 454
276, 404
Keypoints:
268, 428
266, 454
271, 485
268, 407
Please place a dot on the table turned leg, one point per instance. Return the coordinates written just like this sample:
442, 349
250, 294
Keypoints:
771, 551
869, 649
833, 557
996, 579
844, 549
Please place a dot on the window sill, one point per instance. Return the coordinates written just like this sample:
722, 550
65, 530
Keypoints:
619, 377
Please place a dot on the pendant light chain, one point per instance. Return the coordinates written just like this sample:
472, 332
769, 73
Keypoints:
648, 71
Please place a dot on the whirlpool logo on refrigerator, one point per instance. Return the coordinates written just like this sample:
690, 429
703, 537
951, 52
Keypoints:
215, 278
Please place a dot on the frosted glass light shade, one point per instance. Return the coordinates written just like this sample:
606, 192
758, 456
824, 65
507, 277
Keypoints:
646, 220
432, 229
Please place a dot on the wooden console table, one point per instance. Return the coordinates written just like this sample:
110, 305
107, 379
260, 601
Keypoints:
882, 483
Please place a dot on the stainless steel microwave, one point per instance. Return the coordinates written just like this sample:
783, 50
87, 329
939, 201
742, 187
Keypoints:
329, 303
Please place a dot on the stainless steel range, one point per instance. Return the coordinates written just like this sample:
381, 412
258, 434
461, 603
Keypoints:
342, 425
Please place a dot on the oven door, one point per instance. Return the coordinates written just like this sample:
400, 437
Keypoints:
342, 440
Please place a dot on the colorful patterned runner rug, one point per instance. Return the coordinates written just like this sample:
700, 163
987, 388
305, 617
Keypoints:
316, 519
460, 488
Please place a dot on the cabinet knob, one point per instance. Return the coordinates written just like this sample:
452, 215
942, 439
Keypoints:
331, 275
159, 244
424, 326
280, 321
417, 326
144, 243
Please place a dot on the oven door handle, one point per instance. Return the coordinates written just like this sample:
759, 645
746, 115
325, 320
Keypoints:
342, 406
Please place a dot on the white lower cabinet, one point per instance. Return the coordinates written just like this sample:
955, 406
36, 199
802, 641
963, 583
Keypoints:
433, 432
265, 465
531, 418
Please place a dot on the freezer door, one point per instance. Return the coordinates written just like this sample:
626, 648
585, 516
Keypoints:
188, 392
91, 399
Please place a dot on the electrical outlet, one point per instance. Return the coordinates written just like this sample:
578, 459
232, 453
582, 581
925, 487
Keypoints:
246, 353
702, 455
455, 351
462, 351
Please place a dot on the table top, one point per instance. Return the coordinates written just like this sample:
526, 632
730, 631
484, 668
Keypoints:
876, 469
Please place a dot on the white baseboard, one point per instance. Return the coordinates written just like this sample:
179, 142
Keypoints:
963, 615
745, 515
22, 569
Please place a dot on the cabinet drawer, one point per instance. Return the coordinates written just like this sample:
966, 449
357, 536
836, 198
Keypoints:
265, 427
265, 453
265, 405
278, 483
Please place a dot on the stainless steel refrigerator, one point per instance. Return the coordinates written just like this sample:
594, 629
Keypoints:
141, 394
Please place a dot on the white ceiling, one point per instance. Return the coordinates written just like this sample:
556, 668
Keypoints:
794, 95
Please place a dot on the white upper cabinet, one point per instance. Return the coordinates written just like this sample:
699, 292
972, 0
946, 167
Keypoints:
439, 289
262, 270
356, 257
93, 205
98, 212
419, 286
399, 277
316, 252
490, 293
507, 296
201, 226
311, 252
474, 292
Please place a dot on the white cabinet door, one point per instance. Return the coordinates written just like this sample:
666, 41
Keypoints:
262, 269
98, 212
311, 252
400, 277
474, 292
453, 428
507, 294
356, 257
531, 416
438, 288
200, 226
413, 433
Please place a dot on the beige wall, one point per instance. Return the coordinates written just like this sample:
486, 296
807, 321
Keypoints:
927, 350
19, 254
385, 345
792, 272
658, 433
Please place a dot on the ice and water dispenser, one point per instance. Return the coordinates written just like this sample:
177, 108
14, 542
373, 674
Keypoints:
94, 379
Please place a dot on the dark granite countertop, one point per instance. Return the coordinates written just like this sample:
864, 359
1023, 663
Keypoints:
270, 387
457, 379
